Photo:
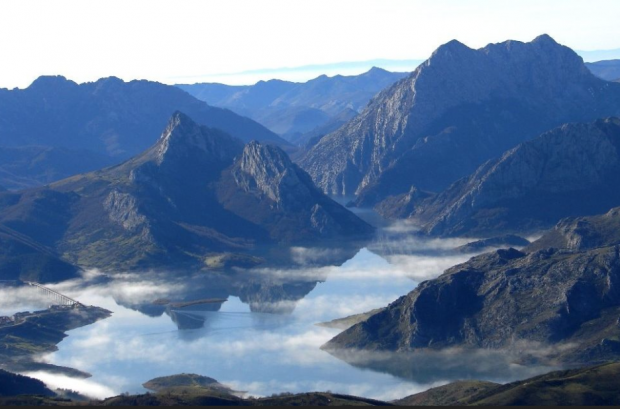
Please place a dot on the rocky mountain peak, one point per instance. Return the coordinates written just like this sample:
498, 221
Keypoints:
459, 109
268, 169
545, 39
450, 48
183, 137
52, 83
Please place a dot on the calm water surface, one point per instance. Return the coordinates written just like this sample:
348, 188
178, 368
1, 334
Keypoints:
264, 338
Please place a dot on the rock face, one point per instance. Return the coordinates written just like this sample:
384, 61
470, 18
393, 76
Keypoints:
265, 187
459, 109
582, 233
570, 171
195, 194
298, 111
109, 116
558, 305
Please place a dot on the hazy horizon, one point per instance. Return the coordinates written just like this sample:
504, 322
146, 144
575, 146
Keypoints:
242, 42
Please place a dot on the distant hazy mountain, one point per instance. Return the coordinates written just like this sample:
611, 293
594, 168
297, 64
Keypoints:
459, 109
295, 109
607, 70
30, 166
111, 117
554, 305
197, 193
570, 171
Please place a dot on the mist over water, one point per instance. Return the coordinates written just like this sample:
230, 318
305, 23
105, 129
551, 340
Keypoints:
264, 338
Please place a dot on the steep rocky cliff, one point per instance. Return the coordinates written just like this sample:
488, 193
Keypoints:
570, 171
266, 188
459, 109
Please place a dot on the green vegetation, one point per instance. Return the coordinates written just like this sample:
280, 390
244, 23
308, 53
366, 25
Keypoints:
456, 393
13, 385
348, 322
595, 386
185, 381
39, 332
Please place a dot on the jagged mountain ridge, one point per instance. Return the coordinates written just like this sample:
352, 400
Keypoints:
165, 206
111, 117
563, 302
298, 111
459, 109
569, 171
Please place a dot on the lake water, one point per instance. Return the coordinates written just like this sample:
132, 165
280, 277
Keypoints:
264, 338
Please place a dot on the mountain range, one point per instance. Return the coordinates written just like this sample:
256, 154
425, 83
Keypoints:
570, 171
556, 301
56, 128
299, 111
607, 70
29, 166
459, 109
195, 194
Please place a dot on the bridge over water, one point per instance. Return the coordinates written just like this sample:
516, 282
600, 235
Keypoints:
59, 299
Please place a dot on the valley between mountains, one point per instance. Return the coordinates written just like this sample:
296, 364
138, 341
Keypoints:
453, 232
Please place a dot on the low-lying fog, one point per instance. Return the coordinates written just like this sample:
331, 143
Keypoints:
263, 340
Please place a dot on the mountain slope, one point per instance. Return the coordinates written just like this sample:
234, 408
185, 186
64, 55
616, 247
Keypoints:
109, 116
558, 306
14, 385
294, 109
455, 393
607, 70
30, 166
459, 109
596, 386
171, 205
570, 171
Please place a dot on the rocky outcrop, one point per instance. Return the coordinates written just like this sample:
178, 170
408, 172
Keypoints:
459, 109
266, 188
197, 195
582, 233
570, 171
555, 305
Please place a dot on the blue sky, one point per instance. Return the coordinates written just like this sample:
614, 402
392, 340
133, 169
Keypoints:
208, 40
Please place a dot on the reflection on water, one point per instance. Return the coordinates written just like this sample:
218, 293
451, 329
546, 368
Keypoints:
254, 330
